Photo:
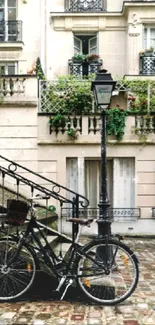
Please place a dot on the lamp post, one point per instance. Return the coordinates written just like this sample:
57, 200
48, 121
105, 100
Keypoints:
102, 86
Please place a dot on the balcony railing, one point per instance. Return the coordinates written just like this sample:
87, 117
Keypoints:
145, 124
87, 128
18, 88
11, 31
84, 68
147, 65
85, 5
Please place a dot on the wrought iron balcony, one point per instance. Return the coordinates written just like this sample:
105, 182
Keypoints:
11, 31
147, 64
85, 5
84, 68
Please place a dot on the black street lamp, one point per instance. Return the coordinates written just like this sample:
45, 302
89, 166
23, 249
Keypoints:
103, 86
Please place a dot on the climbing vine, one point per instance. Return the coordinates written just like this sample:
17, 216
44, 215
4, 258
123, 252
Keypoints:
116, 122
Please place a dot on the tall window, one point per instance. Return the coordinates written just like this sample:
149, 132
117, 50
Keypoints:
8, 68
149, 37
9, 29
85, 44
8, 10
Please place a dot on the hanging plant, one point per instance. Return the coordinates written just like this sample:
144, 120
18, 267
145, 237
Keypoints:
116, 122
72, 133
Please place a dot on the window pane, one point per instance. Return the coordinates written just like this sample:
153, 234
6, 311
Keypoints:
152, 40
1, 3
145, 38
11, 3
12, 14
11, 69
1, 14
93, 42
2, 70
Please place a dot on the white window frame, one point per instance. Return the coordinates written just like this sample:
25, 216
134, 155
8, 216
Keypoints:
91, 50
6, 8
7, 63
147, 42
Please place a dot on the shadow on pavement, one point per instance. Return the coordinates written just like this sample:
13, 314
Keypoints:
43, 289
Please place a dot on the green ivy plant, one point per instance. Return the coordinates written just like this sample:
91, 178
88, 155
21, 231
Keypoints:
69, 95
58, 121
72, 133
116, 122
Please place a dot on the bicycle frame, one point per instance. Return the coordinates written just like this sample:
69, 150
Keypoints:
52, 260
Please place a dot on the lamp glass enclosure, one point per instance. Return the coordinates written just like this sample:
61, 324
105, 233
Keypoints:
103, 93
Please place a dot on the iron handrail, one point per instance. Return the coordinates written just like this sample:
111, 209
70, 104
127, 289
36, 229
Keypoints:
55, 192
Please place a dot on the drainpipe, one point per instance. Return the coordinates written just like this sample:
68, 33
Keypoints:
43, 7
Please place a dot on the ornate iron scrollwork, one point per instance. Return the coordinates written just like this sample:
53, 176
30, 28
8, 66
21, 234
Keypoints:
85, 5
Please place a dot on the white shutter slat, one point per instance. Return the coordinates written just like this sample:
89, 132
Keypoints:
124, 186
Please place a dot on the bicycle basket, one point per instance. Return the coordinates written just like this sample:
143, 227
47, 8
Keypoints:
16, 212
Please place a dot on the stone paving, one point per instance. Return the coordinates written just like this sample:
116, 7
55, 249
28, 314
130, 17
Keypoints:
139, 309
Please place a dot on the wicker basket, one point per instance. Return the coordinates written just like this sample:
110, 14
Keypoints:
16, 212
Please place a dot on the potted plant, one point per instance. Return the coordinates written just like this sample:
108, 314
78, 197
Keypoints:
147, 52
78, 58
92, 57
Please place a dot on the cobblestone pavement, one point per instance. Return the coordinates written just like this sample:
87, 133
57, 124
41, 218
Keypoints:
139, 309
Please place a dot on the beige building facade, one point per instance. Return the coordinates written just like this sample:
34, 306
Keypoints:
56, 31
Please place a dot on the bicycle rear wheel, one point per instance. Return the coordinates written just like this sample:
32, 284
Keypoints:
108, 273
16, 278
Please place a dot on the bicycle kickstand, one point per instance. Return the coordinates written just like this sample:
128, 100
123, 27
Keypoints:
66, 288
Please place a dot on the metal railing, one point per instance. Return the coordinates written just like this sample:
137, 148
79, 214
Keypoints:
84, 68
115, 214
85, 5
21, 180
11, 31
147, 65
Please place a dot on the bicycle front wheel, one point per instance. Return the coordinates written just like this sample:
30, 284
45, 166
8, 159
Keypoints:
107, 272
16, 278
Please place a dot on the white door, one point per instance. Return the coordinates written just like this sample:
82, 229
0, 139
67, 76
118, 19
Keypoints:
124, 183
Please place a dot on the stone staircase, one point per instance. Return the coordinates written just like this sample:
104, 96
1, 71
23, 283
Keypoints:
13, 185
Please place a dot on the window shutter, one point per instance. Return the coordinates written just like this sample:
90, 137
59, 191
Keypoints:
124, 185
77, 45
72, 176
93, 45
152, 37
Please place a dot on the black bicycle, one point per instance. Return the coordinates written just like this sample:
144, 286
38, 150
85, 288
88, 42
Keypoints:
105, 269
